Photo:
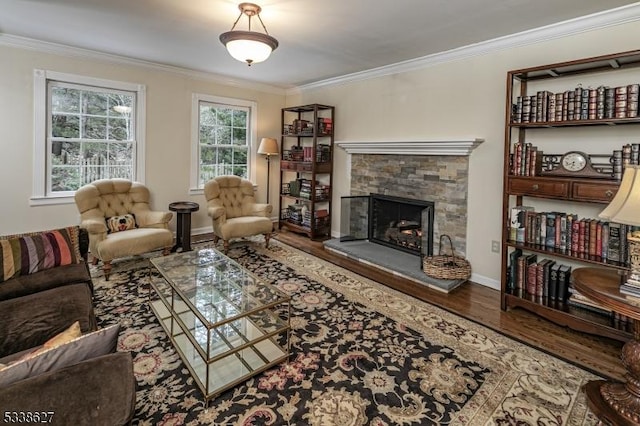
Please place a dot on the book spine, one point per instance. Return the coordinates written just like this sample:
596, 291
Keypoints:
532, 278
613, 249
632, 100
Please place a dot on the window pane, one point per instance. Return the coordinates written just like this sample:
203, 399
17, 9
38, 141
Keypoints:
120, 154
208, 135
207, 173
239, 118
94, 127
65, 178
207, 115
65, 100
94, 153
208, 155
65, 126
239, 136
120, 105
225, 156
224, 116
94, 103
240, 170
119, 129
223, 136
65, 153
120, 172
240, 156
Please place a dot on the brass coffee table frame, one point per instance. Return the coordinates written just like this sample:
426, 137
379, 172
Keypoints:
220, 318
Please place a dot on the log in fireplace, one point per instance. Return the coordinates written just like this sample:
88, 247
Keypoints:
401, 223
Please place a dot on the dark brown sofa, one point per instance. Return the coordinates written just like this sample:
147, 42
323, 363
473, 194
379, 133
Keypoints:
98, 390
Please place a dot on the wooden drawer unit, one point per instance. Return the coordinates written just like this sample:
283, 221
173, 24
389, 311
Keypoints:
599, 192
533, 187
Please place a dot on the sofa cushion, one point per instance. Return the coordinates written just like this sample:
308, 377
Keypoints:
44, 280
28, 253
88, 346
99, 391
29, 321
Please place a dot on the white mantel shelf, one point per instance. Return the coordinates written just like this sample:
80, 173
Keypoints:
445, 147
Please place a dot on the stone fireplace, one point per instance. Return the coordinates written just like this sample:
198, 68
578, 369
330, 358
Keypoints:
433, 171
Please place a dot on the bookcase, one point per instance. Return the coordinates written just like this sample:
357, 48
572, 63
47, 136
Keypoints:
570, 129
306, 169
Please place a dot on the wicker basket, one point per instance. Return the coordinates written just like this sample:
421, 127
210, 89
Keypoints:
447, 266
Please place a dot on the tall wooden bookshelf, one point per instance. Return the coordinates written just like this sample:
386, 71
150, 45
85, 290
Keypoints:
306, 169
551, 185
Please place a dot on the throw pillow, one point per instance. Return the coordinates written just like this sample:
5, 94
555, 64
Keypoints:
33, 252
121, 223
88, 346
73, 332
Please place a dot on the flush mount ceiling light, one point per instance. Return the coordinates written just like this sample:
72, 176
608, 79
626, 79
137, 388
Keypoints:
249, 46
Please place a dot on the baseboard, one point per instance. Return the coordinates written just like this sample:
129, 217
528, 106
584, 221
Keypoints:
485, 281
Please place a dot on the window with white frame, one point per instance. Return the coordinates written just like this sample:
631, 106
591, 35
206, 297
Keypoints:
86, 129
223, 129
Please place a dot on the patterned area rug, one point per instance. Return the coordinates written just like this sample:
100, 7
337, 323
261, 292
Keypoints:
362, 354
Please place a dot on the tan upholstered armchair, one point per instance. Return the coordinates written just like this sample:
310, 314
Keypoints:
116, 213
234, 211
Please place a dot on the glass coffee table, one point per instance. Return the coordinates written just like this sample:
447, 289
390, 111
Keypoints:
226, 324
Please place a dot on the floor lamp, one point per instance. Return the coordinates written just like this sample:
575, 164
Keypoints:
268, 147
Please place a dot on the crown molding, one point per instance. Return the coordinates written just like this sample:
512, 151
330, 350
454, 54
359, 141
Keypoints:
462, 147
76, 52
617, 16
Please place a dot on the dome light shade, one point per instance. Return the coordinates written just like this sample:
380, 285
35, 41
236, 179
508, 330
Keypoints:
249, 46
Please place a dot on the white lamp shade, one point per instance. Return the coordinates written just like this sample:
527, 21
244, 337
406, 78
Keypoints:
625, 206
249, 46
268, 146
248, 50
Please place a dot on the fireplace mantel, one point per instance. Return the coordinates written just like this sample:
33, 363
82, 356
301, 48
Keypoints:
462, 147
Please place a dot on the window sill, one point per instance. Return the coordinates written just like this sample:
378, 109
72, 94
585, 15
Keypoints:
50, 200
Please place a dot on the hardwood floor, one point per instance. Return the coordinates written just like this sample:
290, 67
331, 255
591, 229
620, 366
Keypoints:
482, 305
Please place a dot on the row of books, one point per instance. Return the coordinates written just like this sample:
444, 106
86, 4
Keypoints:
628, 155
299, 214
545, 278
305, 153
324, 126
564, 232
526, 160
294, 213
576, 302
308, 191
548, 283
599, 103
321, 218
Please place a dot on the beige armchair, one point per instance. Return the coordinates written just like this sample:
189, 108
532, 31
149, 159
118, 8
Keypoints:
234, 211
116, 214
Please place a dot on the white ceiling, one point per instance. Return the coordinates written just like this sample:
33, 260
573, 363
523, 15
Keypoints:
318, 39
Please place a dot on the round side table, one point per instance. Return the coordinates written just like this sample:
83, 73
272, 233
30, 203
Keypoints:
183, 229
614, 403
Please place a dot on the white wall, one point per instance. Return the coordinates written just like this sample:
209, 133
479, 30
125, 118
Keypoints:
459, 99
168, 133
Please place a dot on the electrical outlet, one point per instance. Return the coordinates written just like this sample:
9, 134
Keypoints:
495, 246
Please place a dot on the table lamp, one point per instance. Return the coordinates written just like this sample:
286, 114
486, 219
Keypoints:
625, 209
268, 147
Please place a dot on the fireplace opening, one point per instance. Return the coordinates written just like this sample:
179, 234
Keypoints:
401, 223
404, 224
